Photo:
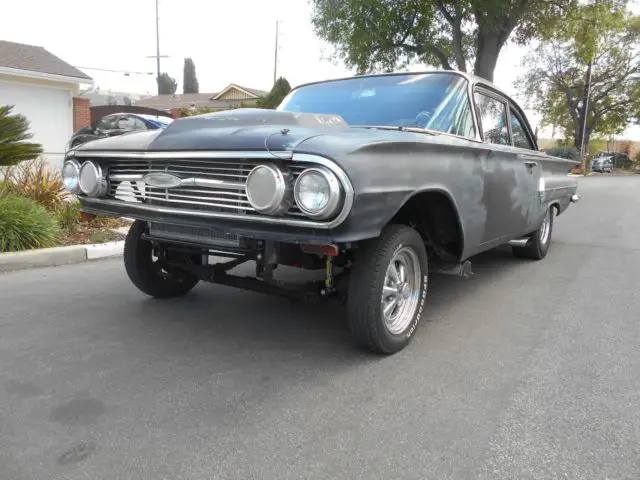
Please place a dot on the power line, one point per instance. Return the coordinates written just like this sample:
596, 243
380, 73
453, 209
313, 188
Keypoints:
126, 72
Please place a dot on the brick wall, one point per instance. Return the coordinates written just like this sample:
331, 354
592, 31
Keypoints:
81, 113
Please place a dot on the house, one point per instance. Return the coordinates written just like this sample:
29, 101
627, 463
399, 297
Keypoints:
231, 97
43, 88
99, 98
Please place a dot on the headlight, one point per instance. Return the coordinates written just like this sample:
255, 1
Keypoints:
269, 190
91, 180
317, 192
71, 175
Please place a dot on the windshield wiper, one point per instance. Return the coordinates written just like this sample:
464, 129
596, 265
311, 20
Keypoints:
398, 128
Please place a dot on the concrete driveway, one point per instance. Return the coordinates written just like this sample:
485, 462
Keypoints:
527, 370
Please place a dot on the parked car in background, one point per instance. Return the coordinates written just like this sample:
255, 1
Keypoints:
374, 181
117, 124
602, 165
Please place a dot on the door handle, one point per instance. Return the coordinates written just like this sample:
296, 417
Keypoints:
530, 163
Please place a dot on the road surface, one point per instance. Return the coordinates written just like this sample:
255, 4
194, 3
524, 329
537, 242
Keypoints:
527, 370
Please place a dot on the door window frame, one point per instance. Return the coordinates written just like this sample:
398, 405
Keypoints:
485, 90
505, 103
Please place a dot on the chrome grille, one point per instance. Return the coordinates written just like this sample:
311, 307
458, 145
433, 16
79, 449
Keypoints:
225, 191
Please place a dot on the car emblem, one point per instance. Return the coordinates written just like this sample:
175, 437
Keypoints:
161, 180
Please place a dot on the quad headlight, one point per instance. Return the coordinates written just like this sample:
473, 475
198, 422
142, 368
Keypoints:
269, 190
71, 176
318, 193
92, 182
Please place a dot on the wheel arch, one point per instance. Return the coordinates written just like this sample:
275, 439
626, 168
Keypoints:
435, 214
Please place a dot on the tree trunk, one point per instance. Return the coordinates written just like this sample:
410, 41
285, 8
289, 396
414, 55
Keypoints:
487, 51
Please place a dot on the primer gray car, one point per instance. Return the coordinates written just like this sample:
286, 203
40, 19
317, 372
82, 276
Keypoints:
374, 181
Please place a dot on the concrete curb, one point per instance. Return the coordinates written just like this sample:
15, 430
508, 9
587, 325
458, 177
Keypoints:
52, 257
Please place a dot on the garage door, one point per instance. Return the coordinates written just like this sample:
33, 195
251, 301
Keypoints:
49, 111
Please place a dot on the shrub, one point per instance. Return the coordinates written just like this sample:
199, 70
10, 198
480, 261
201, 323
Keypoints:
24, 225
14, 131
68, 216
34, 179
571, 153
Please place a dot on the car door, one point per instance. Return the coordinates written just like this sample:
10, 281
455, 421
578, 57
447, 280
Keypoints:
529, 156
509, 172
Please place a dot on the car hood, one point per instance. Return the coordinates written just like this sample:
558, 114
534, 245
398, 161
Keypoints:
267, 130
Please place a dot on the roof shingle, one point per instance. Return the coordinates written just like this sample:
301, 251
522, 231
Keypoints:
36, 59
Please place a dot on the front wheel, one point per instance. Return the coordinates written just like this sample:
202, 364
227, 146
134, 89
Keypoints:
145, 271
387, 290
540, 241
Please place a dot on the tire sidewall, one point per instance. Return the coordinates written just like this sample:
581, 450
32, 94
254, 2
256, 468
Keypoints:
544, 247
408, 238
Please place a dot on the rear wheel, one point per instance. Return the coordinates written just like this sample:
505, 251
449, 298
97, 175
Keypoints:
387, 289
540, 241
146, 272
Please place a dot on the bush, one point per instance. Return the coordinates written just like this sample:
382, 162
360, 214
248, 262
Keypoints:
34, 179
24, 225
571, 153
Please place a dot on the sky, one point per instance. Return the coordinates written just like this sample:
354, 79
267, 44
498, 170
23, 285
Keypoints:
229, 41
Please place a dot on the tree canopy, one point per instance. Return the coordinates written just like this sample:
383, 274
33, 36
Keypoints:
14, 133
280, 90
166, 84
604, 35
468, 35
189, 78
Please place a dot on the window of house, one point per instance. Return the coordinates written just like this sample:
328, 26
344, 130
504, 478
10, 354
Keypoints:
493, 117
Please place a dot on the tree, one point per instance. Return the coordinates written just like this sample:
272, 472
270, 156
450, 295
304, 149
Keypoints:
280, 90
166, 84
14, 133
599, 40
189, 79
385, 35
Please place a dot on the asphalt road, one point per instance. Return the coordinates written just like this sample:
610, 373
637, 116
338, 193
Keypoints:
527, 370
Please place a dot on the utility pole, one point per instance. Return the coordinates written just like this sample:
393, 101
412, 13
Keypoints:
586, 114
157, 41
275, 61
157, 56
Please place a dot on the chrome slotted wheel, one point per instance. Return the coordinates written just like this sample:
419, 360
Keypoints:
545, 228
401, 290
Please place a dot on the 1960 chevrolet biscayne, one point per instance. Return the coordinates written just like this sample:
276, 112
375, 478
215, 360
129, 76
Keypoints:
372, 180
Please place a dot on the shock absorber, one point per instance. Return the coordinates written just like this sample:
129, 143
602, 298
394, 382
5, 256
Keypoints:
329, 287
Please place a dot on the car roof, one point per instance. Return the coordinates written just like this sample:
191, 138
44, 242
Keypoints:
139, 115
468, 76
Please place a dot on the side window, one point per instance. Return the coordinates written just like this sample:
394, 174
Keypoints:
493, 117
107, 123
520, 137
139, 124
126, 123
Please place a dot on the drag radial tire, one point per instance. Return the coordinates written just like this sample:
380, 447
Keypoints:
387, 289
146, 273
540, 242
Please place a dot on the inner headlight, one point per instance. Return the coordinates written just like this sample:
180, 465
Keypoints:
317, 192
91, 180
269, 190
71, 176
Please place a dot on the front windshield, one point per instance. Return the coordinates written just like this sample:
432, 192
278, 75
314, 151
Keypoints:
434, 101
